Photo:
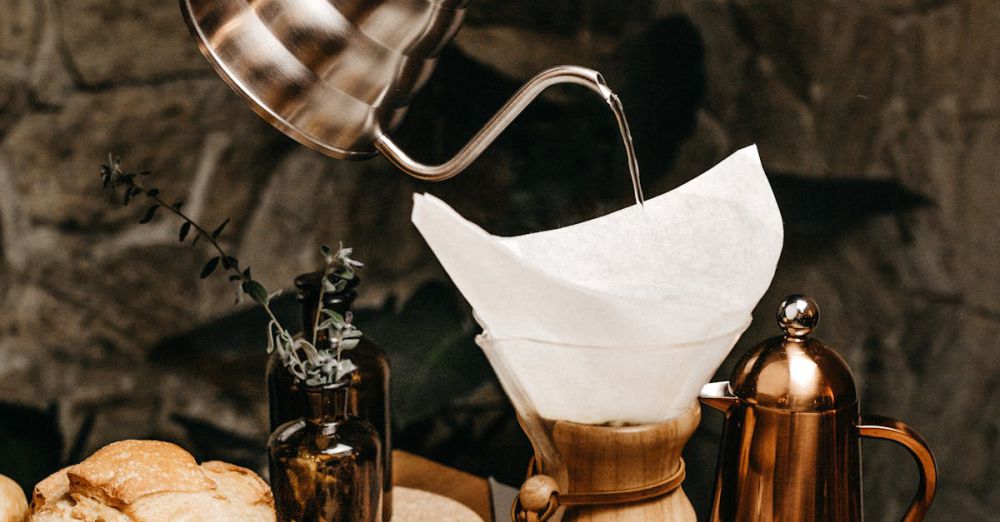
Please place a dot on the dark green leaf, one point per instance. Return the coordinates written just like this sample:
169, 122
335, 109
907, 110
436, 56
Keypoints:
153, 192
209, 267
127, 196
256, 291
231, 262
218, 229
149, 214
185, 228
246, 274
177, 205
235, 277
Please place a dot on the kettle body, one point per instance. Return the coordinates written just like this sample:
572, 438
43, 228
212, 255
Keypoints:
333, 74
780, 465
791, 443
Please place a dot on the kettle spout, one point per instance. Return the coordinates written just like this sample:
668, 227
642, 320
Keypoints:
717, 395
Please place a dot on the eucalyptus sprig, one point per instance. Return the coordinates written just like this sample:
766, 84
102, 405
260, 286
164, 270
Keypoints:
311, 362
114, 177
303, 359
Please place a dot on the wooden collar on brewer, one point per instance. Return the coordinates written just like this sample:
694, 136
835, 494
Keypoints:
539, 497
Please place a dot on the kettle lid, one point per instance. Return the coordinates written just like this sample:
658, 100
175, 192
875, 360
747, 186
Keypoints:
794, 372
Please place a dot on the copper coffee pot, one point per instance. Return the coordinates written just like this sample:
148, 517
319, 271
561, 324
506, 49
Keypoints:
338, 75
791, 446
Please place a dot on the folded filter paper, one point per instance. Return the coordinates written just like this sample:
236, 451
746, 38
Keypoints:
620, 319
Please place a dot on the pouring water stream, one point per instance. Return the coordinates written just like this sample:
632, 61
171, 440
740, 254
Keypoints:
633, 163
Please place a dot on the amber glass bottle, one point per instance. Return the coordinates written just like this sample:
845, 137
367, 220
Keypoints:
368, 397
326, 466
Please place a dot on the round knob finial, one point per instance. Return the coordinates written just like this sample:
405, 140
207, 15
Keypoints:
537, 492
798, 315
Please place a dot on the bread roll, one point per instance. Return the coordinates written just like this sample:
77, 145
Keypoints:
151, 481
13, 505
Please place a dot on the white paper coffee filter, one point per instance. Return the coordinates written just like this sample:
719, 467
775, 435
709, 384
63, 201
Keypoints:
688, 266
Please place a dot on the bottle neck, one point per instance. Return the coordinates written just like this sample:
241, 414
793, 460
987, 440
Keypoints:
324, 405
310, 301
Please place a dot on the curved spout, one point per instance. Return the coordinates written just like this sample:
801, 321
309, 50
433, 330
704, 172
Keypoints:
717, 395
517, 103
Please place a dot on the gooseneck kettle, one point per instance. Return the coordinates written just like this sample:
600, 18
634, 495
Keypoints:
791, 447
337, 75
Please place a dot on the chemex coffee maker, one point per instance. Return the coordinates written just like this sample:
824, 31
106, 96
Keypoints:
791, 445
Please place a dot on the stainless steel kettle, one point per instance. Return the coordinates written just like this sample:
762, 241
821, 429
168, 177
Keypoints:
791, 447
337, 75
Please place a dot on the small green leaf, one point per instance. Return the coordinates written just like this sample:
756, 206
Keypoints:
183, 232
218, 230
153, 192
177, 205
235, 277
334, 316
344, 368
149, 214
209, 267
256, 291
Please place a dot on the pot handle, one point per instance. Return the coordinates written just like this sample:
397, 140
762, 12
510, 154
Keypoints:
876, 427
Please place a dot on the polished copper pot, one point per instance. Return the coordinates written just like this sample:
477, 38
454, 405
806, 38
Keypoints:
791, 443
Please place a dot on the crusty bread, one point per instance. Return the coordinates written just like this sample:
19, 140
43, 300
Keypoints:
13, 505
151, 481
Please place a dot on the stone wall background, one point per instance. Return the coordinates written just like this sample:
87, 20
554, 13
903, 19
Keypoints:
878, 121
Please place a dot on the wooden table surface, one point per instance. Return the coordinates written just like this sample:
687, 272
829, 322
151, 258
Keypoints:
415, 472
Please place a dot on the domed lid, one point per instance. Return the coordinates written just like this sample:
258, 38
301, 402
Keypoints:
793, 372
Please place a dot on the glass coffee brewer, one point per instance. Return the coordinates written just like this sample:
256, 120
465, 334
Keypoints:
592, 469
368, 397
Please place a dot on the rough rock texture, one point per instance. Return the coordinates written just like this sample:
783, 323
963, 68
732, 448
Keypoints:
880, 122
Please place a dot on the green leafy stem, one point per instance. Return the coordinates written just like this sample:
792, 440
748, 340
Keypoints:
309, 362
